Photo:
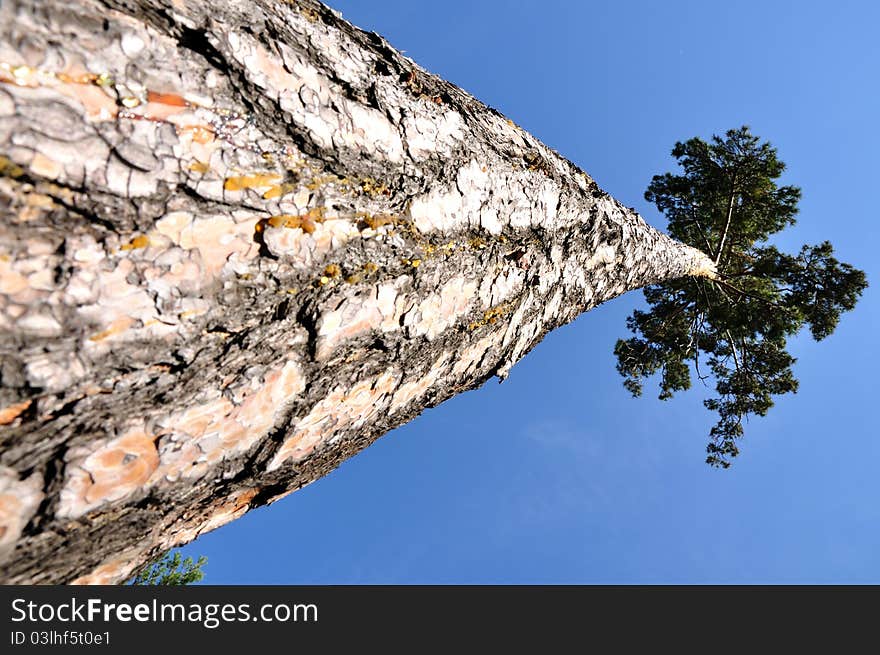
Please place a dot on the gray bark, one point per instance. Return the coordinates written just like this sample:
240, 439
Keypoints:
240, 242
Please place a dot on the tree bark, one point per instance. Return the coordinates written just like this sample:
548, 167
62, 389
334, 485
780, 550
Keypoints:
240, 242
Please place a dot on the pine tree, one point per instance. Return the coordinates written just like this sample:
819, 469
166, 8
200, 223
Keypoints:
170, 570
258, 241
727, 203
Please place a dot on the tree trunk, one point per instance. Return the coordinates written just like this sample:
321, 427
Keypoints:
240, 242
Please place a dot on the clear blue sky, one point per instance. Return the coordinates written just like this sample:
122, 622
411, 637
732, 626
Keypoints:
557, 475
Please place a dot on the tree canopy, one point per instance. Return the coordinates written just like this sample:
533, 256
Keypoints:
733, 329
171, 570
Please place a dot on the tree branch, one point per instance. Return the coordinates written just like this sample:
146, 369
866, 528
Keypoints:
730, 204
727, 285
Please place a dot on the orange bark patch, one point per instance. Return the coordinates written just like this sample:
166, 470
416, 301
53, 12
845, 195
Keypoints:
141, 241
220, 513
9, 414
120, 467
411, 391
161, 106
9, 168
284, 220
10, 518
375, 221
202, 134
242, 182
95, 100
229, 510
307, 222
293, 221
218, 429
342, 409
350, 320
77, 78
112, 572
217, 238
118, 326
171, 99
11, 281
279, 190
19, 500
80, 85
45, 167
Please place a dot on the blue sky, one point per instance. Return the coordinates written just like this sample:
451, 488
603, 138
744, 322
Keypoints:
558, 475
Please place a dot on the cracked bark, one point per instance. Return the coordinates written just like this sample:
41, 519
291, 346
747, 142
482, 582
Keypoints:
240, 242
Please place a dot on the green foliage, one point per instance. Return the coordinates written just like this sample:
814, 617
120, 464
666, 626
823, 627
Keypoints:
168, 569
727, 203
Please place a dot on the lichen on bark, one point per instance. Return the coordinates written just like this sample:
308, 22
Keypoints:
240, 242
